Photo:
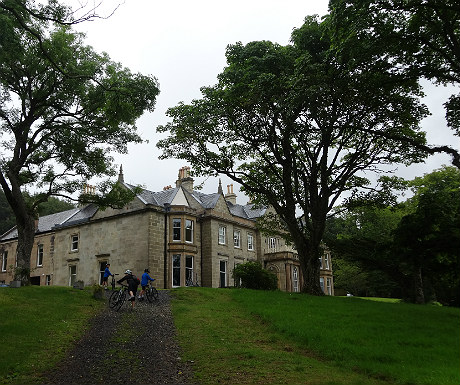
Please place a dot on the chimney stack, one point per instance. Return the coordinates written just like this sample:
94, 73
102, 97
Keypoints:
184, 179
230, 196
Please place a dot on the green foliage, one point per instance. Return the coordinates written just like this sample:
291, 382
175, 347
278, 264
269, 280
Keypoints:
419, 37
293, 126
416, 244
65, 108
251, 275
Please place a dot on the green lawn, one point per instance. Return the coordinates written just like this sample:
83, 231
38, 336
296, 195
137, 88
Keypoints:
243, 336
37, 325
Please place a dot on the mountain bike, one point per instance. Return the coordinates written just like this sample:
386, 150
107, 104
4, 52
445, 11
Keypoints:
151, 292
118, 298
113, 281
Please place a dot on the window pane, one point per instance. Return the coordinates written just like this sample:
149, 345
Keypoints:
189, 230
223, 274
236, 238
74, 242
176, 270
176, 229
4, 260
222, 235
250, 242
40, 255
188, 270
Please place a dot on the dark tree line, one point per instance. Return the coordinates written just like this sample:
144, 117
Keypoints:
414, 246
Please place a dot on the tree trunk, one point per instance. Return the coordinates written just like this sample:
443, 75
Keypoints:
418, 286
26, 233
309, 265
25, 223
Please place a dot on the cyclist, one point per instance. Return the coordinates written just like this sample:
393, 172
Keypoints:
145, 282
133, 282
107, 274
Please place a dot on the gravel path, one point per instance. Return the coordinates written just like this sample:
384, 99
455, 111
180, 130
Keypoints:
130, 347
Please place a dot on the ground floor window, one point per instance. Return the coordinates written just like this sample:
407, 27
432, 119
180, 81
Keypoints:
48, 280
295, 279
176, 270
102, 266
321, 283
189, 270
4, 260
72, 275
223, 273
329, 286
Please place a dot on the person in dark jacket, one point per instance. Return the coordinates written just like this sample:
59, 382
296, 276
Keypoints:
132, 282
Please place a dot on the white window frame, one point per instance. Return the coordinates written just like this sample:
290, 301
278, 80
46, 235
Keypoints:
295, 279
272, 243
40, 254
74, 242
188, 231
74, 280
329, 286
188, 269
321, 283
250, 242
4, 260
223, 272
320, 259
237, 239
326, 261
222, 235
177, 257
177, 230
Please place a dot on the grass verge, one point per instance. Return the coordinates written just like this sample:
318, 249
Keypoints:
228, 345
38, 325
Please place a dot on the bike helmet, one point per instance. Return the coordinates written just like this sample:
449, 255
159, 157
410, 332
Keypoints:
128, 272
146, 271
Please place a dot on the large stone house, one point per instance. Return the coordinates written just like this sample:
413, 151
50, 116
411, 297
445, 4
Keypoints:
183, 236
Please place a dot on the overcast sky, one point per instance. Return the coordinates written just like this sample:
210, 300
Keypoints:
182, 43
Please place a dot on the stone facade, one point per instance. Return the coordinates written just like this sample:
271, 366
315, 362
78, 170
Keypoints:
182, 236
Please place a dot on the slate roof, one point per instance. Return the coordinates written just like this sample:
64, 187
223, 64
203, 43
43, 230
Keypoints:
45, 223
83, 214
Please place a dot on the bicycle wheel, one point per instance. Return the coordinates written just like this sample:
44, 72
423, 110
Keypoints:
121, 300
113, 300
151, 293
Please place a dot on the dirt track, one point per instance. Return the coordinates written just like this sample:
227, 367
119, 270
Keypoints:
130, 347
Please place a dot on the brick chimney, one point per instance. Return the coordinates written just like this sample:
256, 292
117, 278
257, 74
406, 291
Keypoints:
230, 196
184, 179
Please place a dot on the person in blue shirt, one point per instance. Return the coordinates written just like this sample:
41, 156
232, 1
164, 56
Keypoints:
145, 282
107, 274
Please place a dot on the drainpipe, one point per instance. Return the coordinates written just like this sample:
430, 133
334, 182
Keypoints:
167, 208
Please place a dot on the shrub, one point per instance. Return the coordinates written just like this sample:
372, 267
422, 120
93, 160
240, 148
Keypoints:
251, 275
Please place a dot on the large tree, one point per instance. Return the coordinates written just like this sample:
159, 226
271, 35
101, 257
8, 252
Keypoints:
420, 37
293, 126
63, 109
